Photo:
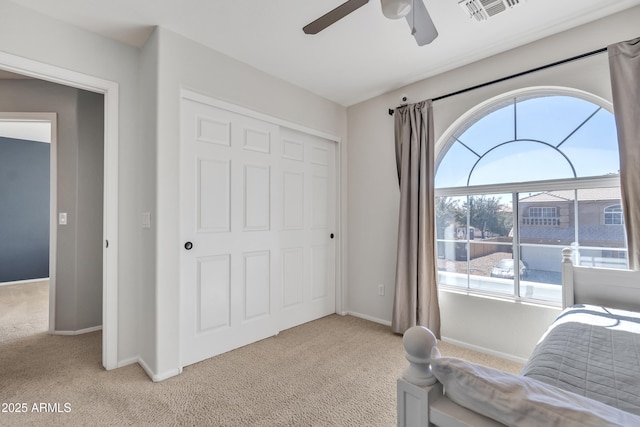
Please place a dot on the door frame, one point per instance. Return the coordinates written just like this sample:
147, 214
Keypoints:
110, 90
340, 253
52, 119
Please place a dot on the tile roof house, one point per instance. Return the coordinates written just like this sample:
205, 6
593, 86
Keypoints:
550, 217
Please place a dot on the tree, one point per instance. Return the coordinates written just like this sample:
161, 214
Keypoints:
448, 211
488, 215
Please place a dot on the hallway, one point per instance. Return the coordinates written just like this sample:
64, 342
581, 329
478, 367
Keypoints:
24, 310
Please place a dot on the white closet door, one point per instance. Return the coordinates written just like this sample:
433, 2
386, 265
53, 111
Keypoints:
307, 236
256, 224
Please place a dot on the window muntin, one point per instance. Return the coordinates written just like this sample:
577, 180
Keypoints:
562, 115
516, 161
506, 152
596, 139
543, 212
613, 215
542, 137
473, 234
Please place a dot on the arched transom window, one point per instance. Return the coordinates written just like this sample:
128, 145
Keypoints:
518, 179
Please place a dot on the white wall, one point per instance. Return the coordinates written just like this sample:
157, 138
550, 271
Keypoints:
149, 82
148, 314
30, 35
185, 64
147, 190
495, 326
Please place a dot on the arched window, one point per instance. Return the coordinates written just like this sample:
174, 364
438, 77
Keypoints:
518, 179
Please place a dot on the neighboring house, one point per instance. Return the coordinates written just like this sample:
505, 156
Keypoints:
550, 218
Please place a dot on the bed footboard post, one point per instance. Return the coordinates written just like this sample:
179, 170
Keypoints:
417, 381
567, 278
413, 403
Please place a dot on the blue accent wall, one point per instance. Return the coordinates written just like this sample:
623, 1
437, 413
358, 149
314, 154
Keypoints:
24, 209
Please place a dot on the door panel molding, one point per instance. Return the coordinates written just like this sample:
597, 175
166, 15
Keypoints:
269, 203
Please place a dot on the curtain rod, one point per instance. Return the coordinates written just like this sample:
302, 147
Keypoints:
533, 70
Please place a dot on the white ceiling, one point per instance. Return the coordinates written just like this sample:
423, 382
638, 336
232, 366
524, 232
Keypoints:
359, 57
30, 130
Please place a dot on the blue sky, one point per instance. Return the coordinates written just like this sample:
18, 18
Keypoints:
583, 134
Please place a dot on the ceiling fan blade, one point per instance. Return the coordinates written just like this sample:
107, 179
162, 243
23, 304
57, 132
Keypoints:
332, 16
419, 19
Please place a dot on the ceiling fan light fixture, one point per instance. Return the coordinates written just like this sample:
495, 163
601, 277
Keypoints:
396, 9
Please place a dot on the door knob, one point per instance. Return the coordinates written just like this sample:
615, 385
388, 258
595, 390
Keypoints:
331, 235
188, 246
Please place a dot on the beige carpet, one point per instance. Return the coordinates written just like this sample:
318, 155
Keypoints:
24, 310
336, 371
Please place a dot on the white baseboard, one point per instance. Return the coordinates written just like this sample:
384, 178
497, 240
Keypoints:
158, 377
79, 332
127, 362
485, 350
462, 344
22, 282
166, 375
370, 318
145, 367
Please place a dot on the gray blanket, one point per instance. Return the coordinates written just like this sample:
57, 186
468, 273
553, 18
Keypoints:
592, 351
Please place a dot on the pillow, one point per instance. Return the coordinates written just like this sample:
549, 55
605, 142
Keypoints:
520, 401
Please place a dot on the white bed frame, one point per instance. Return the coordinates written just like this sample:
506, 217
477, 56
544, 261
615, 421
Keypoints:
421, 402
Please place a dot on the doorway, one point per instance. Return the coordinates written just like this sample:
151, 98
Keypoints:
27, 165
109, 90
72, 215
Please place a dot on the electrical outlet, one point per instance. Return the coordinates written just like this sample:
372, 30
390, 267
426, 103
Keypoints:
381, 289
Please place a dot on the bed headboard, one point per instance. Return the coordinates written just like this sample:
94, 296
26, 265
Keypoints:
608, 287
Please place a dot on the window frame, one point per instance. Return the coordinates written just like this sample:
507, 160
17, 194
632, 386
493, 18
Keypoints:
477, 113
486, 107
542, 220
543, 211
614, 214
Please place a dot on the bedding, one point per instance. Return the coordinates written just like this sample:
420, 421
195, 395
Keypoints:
592, 351
586, 366
517, 401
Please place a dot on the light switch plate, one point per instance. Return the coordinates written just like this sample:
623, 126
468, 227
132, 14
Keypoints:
62, 218
146, 219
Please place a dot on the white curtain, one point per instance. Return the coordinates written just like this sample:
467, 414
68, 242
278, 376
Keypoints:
624, 64
416, 294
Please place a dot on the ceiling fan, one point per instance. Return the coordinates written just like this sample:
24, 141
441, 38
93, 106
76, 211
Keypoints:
414, 11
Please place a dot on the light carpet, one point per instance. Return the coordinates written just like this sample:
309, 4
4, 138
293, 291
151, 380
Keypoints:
24, 309
336, 371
